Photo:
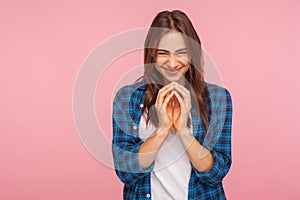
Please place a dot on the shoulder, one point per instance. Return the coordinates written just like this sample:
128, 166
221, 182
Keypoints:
218, 96
216, 90
128, 91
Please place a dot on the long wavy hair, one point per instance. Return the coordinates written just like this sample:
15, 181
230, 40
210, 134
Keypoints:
167, 21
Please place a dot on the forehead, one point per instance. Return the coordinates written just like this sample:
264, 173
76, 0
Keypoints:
171, 41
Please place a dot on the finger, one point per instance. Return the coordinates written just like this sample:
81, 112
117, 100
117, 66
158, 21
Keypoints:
181, 86
181, 89
183, 92
161, 96
163, 89
176, 102
163, 92
179, 98
170, 103
167, 99
186, 105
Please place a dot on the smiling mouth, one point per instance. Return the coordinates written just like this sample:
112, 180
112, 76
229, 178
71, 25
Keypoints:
171, 71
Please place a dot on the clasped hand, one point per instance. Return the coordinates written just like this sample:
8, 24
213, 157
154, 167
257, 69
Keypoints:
173, 105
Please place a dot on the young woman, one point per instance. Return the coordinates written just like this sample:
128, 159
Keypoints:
171, 129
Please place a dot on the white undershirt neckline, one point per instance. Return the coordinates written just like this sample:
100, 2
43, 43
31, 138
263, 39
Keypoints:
171, 174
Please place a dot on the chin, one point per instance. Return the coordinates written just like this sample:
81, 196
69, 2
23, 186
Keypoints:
172, 79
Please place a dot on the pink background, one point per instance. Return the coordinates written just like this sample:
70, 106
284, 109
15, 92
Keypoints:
255, 45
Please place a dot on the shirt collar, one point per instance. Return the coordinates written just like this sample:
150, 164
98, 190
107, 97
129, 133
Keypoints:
142, 84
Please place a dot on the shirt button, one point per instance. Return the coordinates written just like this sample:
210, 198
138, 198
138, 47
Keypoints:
141, 105
134, 127
148, 195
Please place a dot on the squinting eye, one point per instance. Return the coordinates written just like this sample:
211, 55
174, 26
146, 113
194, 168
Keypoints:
182, 53
161, 53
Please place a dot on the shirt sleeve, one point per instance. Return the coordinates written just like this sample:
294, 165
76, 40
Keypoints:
221, 147
126, 143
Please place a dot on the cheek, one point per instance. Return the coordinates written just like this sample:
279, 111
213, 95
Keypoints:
184, 60
185, 70
160, 60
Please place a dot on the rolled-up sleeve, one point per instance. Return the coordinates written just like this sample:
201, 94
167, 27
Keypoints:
126, 143
221, 151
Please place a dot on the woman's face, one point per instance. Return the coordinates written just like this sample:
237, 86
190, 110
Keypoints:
172, 59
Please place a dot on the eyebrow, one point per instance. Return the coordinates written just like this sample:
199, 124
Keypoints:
175, 51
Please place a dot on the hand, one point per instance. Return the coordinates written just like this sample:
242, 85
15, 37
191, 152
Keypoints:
182, 107
163, 107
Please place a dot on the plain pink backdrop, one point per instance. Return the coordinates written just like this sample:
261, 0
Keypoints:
255, 45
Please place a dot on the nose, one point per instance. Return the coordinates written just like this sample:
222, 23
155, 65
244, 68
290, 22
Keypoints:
172, 61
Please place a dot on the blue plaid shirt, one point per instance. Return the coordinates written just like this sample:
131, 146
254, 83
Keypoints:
127, 111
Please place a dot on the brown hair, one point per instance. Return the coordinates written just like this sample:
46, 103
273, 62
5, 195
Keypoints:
178, 21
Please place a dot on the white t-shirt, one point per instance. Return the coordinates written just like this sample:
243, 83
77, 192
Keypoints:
171, 174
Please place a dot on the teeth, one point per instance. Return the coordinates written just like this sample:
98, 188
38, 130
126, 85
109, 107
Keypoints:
171, 70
